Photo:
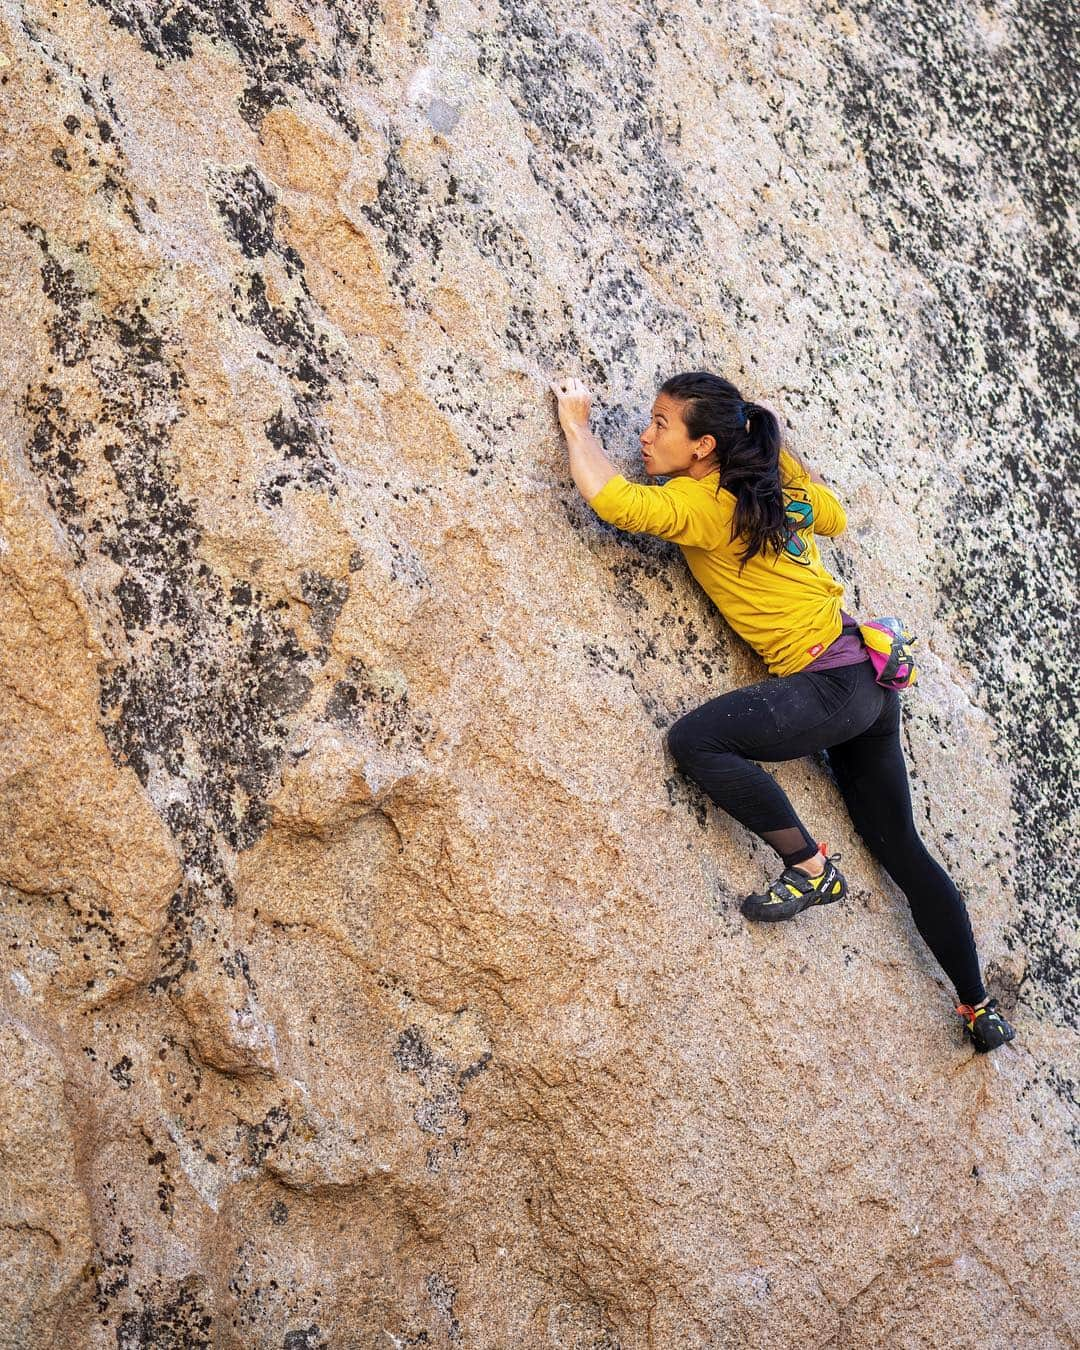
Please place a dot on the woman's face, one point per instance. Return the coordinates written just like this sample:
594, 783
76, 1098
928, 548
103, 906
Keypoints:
666, 448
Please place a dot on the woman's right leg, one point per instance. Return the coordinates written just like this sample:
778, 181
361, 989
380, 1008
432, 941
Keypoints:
778, 719
872, 777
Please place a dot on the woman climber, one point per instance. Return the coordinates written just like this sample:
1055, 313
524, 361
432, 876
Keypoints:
744, 511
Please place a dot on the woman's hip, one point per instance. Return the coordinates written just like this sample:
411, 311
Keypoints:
784, 717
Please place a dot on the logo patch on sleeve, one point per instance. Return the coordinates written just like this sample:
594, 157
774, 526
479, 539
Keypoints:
816, 649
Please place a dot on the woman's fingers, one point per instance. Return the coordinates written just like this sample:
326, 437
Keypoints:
575, 402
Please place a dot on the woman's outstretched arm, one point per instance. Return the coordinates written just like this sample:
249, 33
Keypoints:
589, 466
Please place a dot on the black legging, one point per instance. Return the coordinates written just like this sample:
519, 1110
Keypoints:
848, 714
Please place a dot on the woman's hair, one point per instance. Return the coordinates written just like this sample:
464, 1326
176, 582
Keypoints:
747, 448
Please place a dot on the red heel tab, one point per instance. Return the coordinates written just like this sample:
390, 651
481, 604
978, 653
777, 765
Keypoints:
823, 849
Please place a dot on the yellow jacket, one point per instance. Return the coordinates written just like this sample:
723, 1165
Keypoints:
786, 605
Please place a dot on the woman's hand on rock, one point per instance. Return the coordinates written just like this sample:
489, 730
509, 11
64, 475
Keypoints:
575, 401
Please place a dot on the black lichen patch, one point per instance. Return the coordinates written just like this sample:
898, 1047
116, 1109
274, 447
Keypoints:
691, 643
440, 1111
302, 349
415, 219
1065, 1088
84, 925
326, 598
412, 1053
597, 334
998, 369
121, 1072
66, 329
235, 965
1044, 1078
262, 1307
406, 222
471, 1070
267, 1135
305, 1338
165, 1187
100, 156
180, 1084
363, 700
204, 676
442, 1294
112, 1272
176, 1322
247, 205
406, 567
279, 65
603, 656
556, 78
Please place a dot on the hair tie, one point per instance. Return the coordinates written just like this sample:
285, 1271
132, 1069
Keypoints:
748, 411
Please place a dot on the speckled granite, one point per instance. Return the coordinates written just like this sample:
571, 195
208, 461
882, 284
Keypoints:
371, 978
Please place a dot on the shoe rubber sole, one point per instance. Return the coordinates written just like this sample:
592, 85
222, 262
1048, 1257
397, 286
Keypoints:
985, 1049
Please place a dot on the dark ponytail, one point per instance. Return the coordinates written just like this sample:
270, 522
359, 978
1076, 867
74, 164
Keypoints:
747, 450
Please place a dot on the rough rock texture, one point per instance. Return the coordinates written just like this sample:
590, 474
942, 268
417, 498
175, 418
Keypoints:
371, 977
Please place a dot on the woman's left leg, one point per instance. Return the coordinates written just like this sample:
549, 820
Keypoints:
778, 719
873, 780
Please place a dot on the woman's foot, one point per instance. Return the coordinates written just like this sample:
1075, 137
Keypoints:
794, 890
984, 1025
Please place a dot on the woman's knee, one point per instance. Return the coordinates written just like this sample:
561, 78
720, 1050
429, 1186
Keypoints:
694, 739
681, 740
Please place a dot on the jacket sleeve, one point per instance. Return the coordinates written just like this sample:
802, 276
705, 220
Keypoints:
687, 517
829, 516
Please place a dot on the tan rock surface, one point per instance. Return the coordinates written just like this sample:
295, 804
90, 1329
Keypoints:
371, 977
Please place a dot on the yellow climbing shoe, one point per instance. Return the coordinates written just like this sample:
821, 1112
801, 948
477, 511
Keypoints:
793, 891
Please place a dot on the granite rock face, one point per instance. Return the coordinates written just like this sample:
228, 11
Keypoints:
371, 976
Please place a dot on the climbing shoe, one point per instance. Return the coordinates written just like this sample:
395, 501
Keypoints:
793, 891
985, 1027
